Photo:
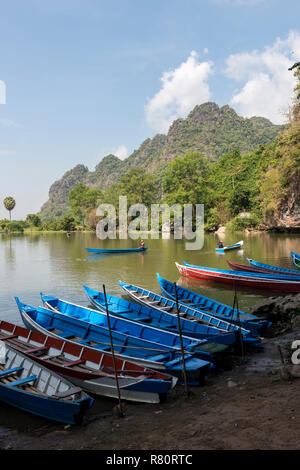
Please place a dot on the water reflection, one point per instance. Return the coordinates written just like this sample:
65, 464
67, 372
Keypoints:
58, 265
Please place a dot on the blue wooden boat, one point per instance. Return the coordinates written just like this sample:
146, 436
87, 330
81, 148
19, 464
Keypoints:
295, 259
120, 250
213, 307
161, 321
81, 325
230, 247
272, 269
30, 387
187, 313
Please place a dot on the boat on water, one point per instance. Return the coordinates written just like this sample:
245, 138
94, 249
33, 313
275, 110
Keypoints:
91, 370
186, 312
230, 247
213, 307
119, 250
265, 281
31, 387
257, 267
160, 320
295, 259
143, 348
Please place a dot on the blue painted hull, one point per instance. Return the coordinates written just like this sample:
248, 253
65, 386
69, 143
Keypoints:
229, 247
276, 269
219, 310
63, 412
189, 313
150, 353
157, 319
121, 250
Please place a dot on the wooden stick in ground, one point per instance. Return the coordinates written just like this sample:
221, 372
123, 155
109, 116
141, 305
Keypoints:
113, 353
181, 343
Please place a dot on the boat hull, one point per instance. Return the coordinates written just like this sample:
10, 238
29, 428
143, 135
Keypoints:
109, 251
264, 283
230, 247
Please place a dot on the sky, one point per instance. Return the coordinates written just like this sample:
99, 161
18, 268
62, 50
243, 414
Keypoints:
80, 79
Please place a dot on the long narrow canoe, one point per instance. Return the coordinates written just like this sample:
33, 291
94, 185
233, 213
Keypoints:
163, 304
272, 269
93, 333
120, 250
31, 387
230, 247
256, 267
213, 307
88, 368
245, 279
295, 259
147, 317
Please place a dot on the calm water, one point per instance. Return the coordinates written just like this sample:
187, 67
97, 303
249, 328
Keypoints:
57, 265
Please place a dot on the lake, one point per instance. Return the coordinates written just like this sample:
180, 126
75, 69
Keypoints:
57, 265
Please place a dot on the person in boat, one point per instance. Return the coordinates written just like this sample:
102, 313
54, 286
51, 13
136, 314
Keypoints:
142, 244
220, 244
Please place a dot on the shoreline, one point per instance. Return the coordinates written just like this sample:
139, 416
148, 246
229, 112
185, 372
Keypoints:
251, 406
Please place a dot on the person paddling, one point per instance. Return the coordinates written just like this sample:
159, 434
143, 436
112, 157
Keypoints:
142, 244
220, 245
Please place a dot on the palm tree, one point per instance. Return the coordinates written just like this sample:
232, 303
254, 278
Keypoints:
9, 204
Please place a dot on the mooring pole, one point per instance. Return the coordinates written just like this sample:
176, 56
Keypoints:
235, 302
113, 354
181, 343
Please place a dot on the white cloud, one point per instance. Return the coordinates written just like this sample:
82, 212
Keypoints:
8, 123
121, 152
182, 89
267, 87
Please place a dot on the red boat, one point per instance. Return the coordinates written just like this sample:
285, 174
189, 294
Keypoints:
88, 368
254, 280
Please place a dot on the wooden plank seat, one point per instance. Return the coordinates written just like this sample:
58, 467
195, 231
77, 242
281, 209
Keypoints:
24, 381
40, 348
67, 393
74, 363
6, 372
4, 337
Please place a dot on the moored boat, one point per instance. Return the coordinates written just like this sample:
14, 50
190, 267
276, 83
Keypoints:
230, 247
295, 259
119, 250
213, 307
145, 349
160, 320
268, 268
88, 368
31, 387
186, 312
279, 283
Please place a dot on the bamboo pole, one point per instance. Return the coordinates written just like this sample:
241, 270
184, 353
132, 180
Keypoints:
181, 343
113, 355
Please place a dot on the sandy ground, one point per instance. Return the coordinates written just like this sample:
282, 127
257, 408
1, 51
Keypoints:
249, 407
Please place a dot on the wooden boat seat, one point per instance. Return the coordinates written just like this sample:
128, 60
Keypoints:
67, 393
166, 308
154, 302
74, 363
24, 381
64, 334
41, 348
6, 372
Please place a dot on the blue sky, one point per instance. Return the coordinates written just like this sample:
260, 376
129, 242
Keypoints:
87, 78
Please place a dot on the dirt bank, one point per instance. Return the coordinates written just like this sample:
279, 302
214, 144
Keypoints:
249, 407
